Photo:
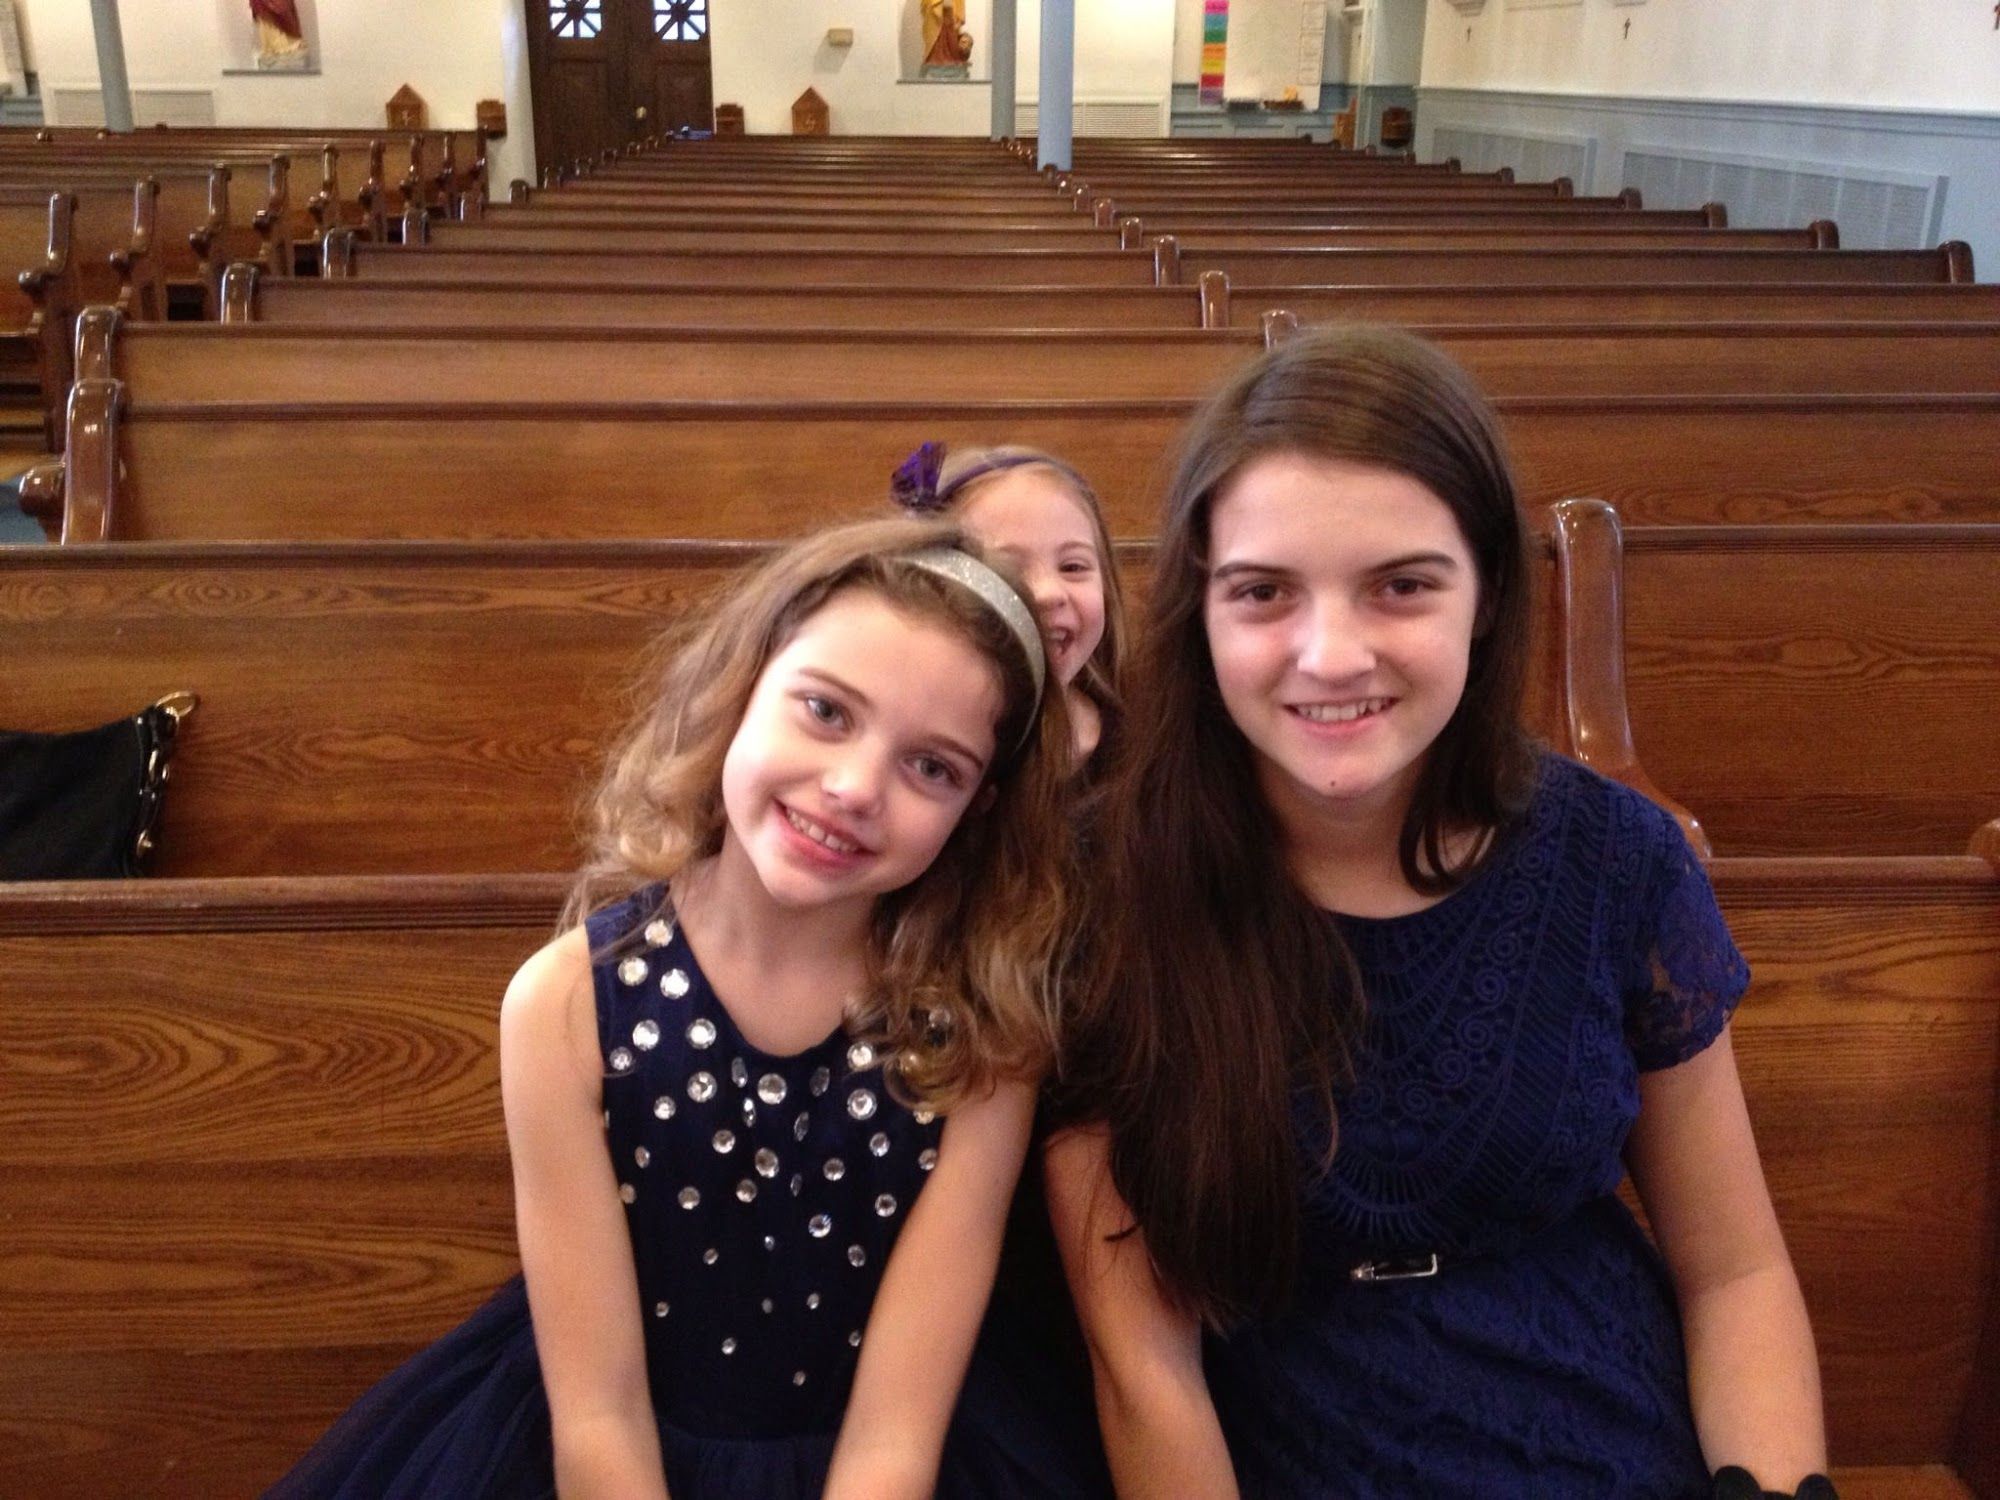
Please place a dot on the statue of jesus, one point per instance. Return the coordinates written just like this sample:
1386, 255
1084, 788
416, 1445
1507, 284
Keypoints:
281, 39
947, 46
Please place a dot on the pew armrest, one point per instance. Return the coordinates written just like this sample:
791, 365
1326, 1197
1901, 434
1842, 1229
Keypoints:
1590, 571
90, 461
1986, 844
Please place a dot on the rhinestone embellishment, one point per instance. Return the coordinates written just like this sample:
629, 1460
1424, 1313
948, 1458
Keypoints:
626, 1192
701, 1087
861, 1104
854, 1338
729, 1346
709, 1256
878, 1144
724, 1142
798, 1377
674, 983
771, 1089
820, 1079
819, 1226
800, 1126
885, 1205
643, 1157
659, 932
812, 1301
835, 1169
690, 1197
746, 1190
646, 1035
621, 1059
860, 1057
738, 1074
701, 1032
856, 1256
633, 971
663, 1108
927, 1158
659, 1309
923, 1116
766, 1162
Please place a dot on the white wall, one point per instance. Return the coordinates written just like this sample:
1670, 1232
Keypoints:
453, 52
1933, 54
766, 52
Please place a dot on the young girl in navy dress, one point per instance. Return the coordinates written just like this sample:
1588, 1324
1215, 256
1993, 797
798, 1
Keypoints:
1039, 515
1025, 1425
1391, 1001
766, 1108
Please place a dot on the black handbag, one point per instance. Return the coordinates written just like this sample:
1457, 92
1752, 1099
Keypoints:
83, 806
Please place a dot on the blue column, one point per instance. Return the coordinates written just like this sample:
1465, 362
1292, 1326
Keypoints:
111, 65
1004, 89
1058, 102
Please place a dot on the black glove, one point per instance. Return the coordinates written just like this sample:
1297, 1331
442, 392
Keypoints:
1733, 1483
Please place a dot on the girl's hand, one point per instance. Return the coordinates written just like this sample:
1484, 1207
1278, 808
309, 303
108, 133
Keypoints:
1160, 1430
932, 1298
1753, 1376
576, 1252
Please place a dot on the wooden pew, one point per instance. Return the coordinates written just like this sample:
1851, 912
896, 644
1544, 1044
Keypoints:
320, 302
198, 233
551, 232
38, 304
452, 761
448, 303
582, 467
188, 363
113, 239
949, 269
1950, 262
254, 1154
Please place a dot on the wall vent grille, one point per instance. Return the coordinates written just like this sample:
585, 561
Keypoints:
1128, 117
149, 107
1876, 209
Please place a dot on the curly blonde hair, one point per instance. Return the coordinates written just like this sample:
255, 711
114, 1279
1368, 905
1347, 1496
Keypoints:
963, 962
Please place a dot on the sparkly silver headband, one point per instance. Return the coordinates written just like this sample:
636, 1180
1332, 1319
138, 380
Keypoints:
997, 595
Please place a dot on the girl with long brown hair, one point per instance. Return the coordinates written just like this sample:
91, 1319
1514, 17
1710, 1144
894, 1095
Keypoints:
1390, 1001
767, 1098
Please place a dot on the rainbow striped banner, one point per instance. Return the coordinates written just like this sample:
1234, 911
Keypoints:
1214, 48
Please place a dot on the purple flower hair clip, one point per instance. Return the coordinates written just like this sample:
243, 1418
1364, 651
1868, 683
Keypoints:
914, 485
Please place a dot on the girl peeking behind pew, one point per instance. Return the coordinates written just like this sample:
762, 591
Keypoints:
767, 1106
1390, 1000
1039, 515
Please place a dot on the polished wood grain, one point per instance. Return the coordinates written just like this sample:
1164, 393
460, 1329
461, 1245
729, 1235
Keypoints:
252, 1162
772, 469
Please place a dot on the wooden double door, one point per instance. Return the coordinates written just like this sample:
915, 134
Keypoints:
605, 72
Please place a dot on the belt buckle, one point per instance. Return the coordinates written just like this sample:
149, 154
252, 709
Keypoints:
1397, 1268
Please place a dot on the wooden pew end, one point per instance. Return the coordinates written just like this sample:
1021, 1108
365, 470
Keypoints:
1985, 842
41, 492
1281, 325
1825, 233
1590, 577
1214, 299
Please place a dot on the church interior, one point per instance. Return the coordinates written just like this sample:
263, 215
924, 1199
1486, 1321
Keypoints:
379, 376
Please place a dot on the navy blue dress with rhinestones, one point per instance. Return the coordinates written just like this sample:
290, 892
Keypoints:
763, 1194
1496, 1083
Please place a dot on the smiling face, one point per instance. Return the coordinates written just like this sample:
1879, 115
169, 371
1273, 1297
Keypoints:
864, 742
1028, 518
1340, 609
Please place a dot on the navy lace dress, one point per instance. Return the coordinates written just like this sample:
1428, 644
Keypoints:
763, 1194
1498, 1079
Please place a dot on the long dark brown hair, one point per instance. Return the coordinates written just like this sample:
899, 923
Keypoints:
1224, 997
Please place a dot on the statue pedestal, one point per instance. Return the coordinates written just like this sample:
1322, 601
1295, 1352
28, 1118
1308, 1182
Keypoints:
945, 72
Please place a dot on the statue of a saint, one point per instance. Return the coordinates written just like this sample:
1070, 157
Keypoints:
947, 45
281, 39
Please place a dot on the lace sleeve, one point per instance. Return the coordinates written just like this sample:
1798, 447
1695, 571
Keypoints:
1687, 974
